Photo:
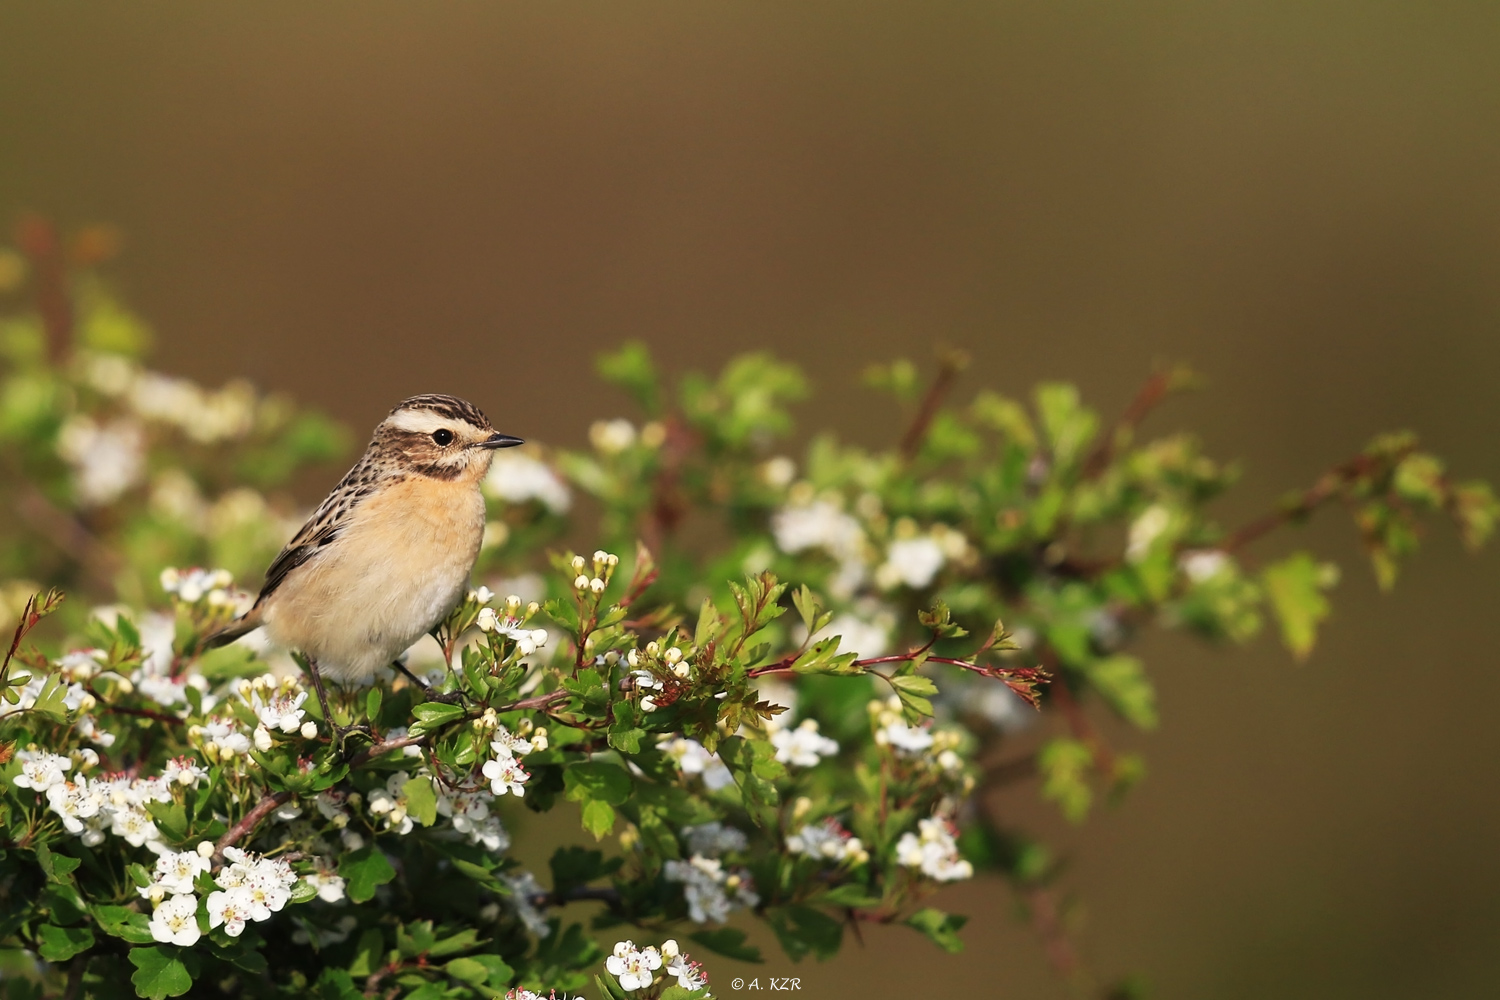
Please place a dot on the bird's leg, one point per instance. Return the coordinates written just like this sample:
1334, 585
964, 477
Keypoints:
451, 698
339, 732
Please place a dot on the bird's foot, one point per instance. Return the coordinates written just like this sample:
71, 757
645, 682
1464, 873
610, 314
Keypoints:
343, 734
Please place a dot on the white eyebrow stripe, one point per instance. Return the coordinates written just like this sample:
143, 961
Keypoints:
421, 421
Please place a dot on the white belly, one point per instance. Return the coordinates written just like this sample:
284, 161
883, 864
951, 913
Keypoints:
399, 567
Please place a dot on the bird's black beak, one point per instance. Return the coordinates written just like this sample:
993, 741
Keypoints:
500, 441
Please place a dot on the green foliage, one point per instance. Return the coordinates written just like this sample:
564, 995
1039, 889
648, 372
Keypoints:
778, 707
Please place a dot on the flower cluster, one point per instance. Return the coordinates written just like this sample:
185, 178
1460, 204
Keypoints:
828, 841
635, 968
504, 770
250, 888
711, 889
934, 851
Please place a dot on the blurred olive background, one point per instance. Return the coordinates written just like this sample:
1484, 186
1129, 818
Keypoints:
358, 201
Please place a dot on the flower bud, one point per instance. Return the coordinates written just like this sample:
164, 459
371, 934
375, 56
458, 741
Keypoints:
682, 669
262, 739
652, 649
581, 583
532, 608
487, 620
669, 949
309, 730
597, 585
205, 849
633, 658
513, 606
578, 564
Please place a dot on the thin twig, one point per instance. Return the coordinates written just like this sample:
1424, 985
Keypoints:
1328, 486
949, 366
1151, 394
263, 808
75, 976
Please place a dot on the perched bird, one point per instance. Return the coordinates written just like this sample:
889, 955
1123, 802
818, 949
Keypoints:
388, 554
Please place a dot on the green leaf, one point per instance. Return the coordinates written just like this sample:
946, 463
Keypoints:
58, 944
729, 942
434, 714
941, 927
159, 973
372, 704
803, 930
49, 701
469, 971
363, 870
754, 767
1069, 425
632, 369
421, 800
575, 866
58, 868
1064, 765
597, 780
1121, 680
598, 818
368, 954
854, 896
124, 923
455, 943
1295, 587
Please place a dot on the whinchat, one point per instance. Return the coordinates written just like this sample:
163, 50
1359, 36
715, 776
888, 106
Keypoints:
388, 554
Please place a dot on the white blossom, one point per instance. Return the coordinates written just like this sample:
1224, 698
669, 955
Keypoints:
517, 478
827, 841
690, 974
691, 758
175, 921
506, 775
904, 738
283, 711
41, 770
389, 803
632, 966
610, 437
822, 525
802, 746
231, 908
330, 887
1203, 564
912, 562
711, 891
107, 459
523, 888
934, 851
175, 872
714, 839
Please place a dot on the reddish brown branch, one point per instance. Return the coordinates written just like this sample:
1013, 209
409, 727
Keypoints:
950, 365
247, 823
1328, 486
39, 241
1157, 387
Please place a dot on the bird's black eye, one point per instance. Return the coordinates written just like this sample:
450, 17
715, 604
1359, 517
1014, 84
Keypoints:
443, 436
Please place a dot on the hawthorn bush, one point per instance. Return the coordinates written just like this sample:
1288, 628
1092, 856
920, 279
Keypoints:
778, 686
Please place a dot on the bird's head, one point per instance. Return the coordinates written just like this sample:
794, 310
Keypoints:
440, 437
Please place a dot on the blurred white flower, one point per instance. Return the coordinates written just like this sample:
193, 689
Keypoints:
1150, 525
802, 746
912, 562
107, 460
610, 437
518, 478
934, 851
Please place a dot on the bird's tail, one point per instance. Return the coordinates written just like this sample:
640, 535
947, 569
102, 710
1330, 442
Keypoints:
227, 633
